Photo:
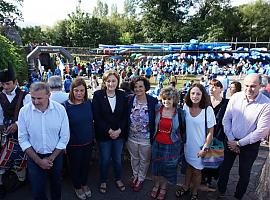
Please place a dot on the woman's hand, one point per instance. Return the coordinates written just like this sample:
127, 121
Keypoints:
115, 134
110, 131
201, 153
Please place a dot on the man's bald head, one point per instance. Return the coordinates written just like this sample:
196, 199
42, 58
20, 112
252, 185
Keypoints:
252, 85
254, 77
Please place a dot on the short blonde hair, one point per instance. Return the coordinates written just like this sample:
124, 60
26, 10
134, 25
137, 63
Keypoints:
170, 92
106, 76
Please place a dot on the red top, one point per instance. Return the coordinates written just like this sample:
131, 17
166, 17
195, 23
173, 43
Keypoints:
164, 131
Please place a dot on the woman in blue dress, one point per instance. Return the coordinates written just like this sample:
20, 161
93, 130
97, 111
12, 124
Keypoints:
79, 111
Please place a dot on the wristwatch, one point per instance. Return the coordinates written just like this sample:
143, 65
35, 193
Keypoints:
206, 149
237, 144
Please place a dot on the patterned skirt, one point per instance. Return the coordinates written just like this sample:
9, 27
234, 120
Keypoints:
165, 159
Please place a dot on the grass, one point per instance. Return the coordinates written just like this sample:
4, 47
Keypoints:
180, 81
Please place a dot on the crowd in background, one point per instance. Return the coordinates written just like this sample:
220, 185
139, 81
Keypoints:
160, 125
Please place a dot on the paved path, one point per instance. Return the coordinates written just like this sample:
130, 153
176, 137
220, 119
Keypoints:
24, 192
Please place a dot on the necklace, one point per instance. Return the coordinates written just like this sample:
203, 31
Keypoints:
111, 96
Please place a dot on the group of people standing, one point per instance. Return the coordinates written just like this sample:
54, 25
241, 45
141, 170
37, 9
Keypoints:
155, 132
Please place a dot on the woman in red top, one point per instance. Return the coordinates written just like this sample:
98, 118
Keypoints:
167, 142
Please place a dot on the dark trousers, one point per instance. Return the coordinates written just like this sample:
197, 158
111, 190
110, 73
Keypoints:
38, 178
79, 158
111, 149
247, 156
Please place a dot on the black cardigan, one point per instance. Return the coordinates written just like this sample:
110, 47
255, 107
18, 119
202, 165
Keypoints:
151, 103
104, 118
219, 111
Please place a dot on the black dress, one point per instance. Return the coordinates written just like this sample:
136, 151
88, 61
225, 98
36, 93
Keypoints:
219, 110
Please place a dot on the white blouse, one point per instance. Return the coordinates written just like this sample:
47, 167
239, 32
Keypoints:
112, 101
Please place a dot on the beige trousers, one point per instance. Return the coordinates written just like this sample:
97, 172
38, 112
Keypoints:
140, 159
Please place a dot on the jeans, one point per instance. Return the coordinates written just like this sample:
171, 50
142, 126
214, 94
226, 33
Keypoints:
111, 149
38, 178
79, 158
247, 156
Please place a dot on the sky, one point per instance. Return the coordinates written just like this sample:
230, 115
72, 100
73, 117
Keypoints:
48, 12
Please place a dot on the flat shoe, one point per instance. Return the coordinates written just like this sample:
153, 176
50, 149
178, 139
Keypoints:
103, 188
162, 195
80, 195
119, 184
133, 182
181, 192
194, 197
154, 192
87, 192
138, 186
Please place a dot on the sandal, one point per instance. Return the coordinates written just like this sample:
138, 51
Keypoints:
80, 194
138, 186
103, 188
87, 191
194, 197
162, 195
119, 184
181, 191
154, 192
133, 182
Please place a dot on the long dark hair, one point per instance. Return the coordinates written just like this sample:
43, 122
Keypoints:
205, 101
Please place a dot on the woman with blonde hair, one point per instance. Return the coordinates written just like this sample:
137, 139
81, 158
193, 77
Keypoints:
110, 121
168, 138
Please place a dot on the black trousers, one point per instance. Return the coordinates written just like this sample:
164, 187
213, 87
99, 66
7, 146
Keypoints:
79, 158
247, 156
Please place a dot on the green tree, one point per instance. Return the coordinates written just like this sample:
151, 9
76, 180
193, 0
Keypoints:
255, 23
56, 35
101, 10
32, 34
130, 8
10, 52
216, 20
160, 17
10, 8
114, 10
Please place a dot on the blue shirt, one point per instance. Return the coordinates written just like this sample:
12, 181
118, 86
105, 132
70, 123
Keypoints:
80, 117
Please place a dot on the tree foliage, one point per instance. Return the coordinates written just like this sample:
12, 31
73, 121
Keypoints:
101, 10
160, 17
255, 20
10, 52
10, 8
159, 21
32, 34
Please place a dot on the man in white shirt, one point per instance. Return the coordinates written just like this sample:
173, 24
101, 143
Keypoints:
43, 134
55, 84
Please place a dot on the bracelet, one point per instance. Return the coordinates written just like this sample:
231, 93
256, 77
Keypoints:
206, 149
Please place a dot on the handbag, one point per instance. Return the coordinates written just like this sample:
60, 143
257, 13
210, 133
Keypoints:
215, 155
